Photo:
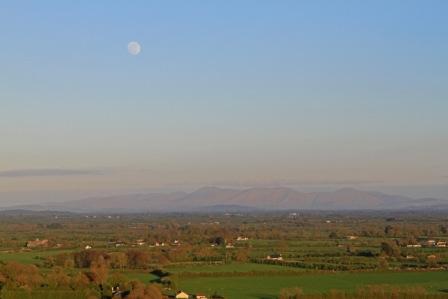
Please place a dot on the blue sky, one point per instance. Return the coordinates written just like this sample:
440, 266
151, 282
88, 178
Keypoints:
223, 92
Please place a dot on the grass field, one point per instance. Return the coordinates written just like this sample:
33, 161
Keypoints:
30, 257
268, 287
233, 267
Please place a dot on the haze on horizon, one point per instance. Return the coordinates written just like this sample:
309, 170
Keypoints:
313, 94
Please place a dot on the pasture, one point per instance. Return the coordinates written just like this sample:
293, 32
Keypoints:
269, 286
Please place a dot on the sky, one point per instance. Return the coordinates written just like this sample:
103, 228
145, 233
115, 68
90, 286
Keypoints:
313, 94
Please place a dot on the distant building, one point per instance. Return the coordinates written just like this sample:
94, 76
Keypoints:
441, 244
352, 237
230, 245
157, 244
414, 245
87, 247
37, 243
240, 238
119, 244
182, 295
116, 292
200, 296
275, 257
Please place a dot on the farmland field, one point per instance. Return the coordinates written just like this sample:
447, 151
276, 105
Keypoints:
226, 268
253, 256
31, 257
266, 286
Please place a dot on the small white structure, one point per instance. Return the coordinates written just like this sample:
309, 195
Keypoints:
157, 244
87, 247
441, 244
431, 242
275, 257
240, 238
182, 295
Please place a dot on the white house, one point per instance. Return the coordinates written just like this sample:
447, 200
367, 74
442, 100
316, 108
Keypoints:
182, 295
275, 257
441, 244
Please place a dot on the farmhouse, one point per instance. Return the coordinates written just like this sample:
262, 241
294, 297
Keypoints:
140, 242
37, 243
230, 245
116, 292
275, 257
157, 244
182, 295
441, 244
120, 244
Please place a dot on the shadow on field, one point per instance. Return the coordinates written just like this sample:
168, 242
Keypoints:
160, 274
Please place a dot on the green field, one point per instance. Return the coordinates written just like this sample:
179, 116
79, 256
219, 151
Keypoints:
29, 257
227, 268
268, 287
261, 281
317, 257
143, 276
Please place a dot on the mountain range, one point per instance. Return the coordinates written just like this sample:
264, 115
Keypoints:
221, 199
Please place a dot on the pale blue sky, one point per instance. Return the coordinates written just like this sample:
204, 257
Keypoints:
223, 92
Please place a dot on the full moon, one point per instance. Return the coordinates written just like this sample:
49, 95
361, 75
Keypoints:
134, 48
